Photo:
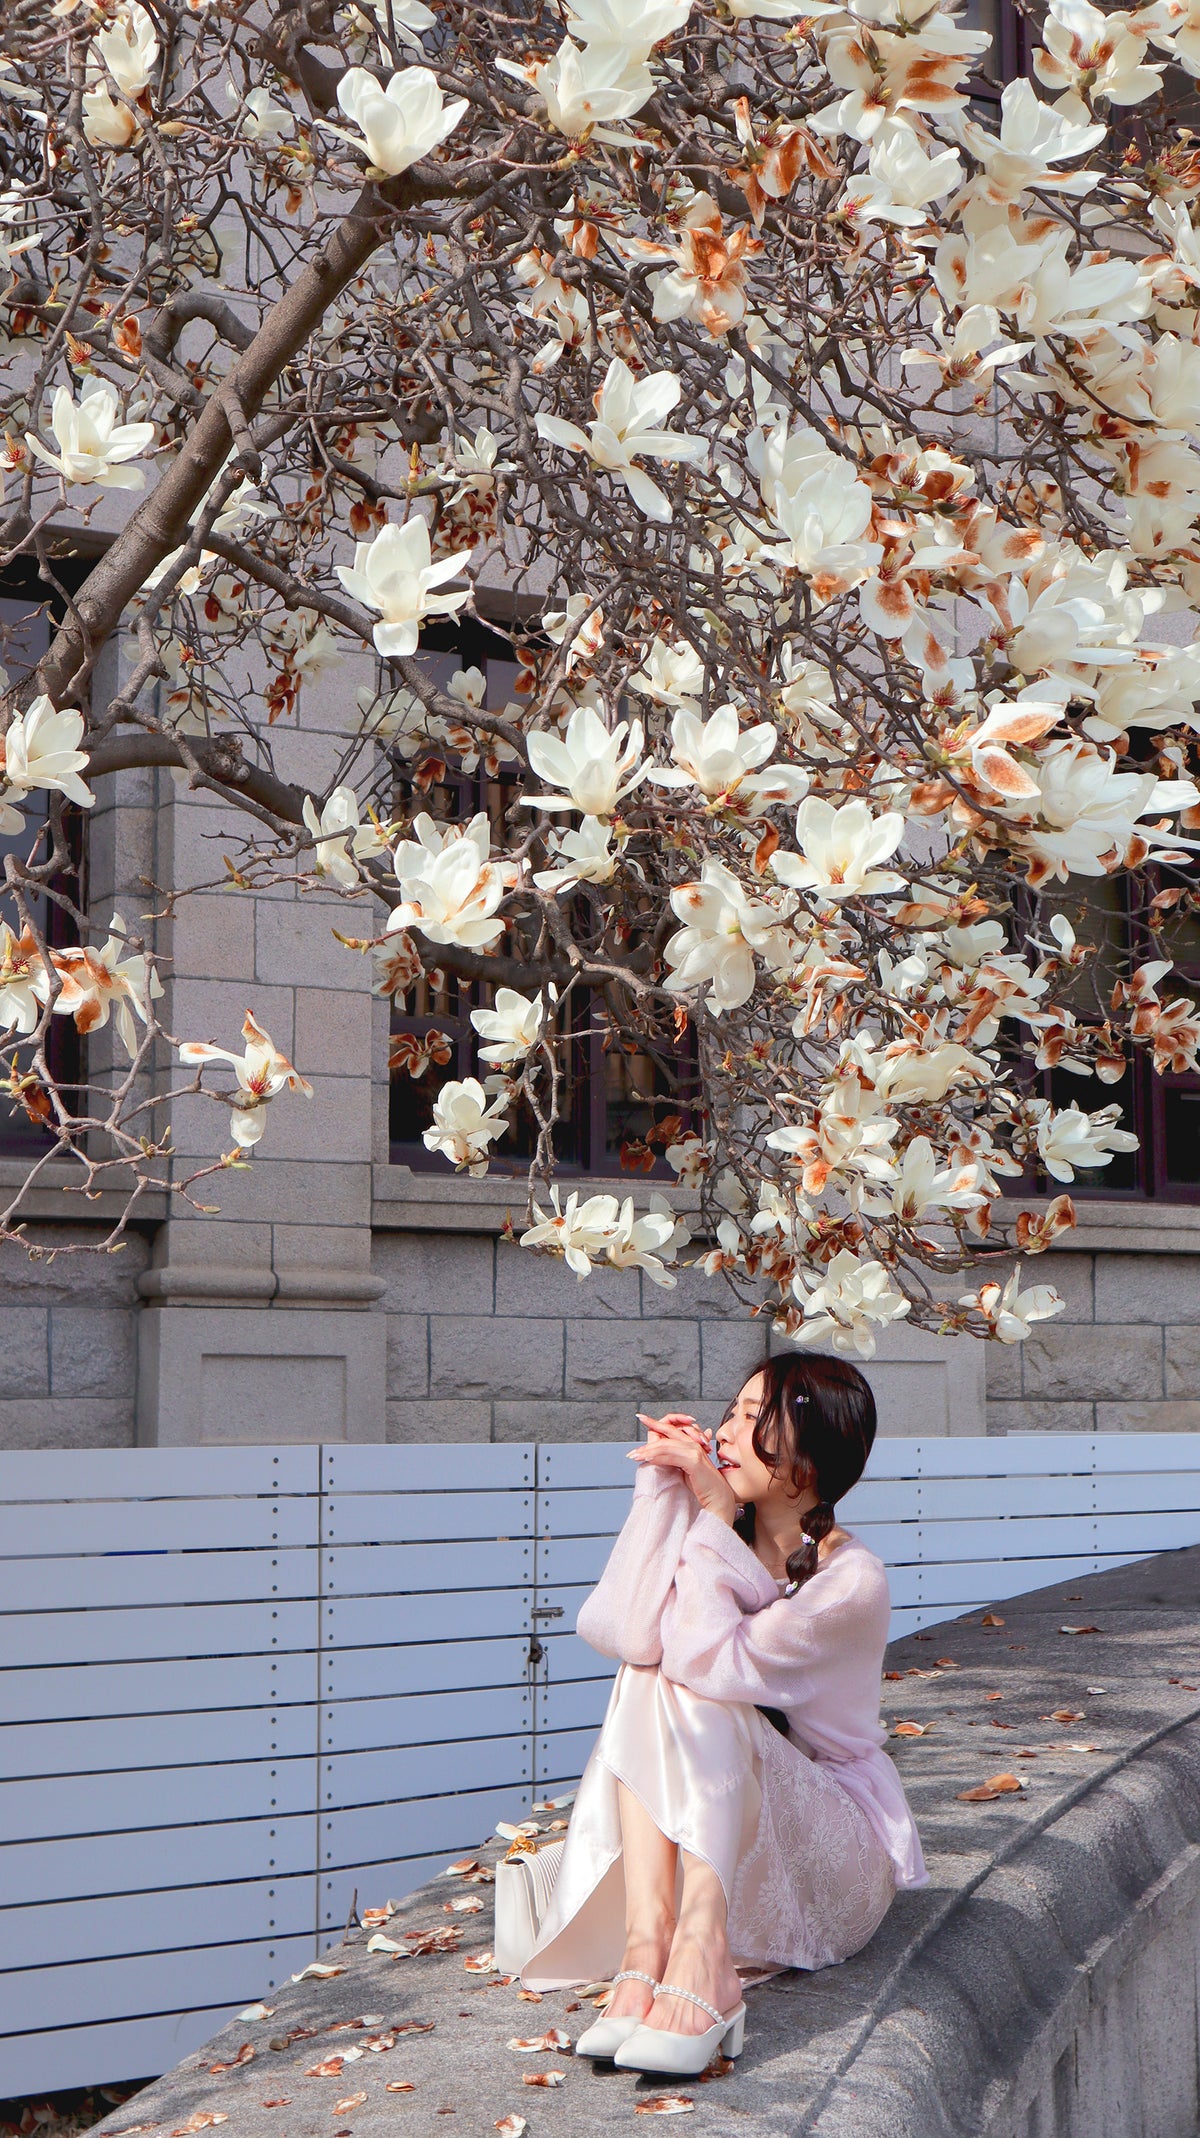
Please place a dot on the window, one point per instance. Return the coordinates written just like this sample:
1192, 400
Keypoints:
616, 1101
1011, 46
26, 617
1163, 1111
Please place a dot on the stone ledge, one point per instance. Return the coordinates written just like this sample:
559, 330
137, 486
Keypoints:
1043, 1983
434, 1202
1133, 1228
59, 1197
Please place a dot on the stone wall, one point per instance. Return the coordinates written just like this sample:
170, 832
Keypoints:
68, 1365
1125, 1356
486, 1342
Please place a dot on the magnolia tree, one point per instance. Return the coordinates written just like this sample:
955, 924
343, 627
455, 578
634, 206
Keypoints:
828, 426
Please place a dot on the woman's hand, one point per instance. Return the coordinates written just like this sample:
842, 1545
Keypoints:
677, 1442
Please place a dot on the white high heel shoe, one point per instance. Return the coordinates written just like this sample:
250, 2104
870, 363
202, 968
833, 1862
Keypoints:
657, 2049
605, 2036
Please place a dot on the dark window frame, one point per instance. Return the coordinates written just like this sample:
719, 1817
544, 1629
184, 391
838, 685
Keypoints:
1152, 1172
590, 1145
66, 1053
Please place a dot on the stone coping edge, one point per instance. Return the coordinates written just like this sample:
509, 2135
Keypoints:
964, 2036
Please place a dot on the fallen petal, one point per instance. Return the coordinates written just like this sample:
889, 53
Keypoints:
243, 2056
322, 1969
544, 2078
330, 2068
990, 1619
352, 2100
511, 2126
1079, 1629
399, 2086
665, 2104
258, 2011
997, 1785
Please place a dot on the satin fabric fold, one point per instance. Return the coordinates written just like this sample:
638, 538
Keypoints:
806, 1879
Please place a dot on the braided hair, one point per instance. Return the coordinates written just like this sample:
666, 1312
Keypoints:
816, 1427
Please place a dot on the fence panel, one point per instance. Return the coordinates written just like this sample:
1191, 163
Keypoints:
158, 1637
426, 1594
240, 1684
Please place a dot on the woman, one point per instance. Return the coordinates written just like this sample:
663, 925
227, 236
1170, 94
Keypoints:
737, 1808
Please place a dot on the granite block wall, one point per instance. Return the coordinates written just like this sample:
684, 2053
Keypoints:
485, 1342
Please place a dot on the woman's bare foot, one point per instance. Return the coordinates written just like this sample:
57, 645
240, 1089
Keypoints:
699, 1960
648, 1952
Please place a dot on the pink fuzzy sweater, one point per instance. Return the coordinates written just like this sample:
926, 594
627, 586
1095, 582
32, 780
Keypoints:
681, 1590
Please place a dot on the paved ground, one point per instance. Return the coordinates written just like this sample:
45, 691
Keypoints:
1021, 1886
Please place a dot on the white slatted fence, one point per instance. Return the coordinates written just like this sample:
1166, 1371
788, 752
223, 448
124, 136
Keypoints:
237, 1684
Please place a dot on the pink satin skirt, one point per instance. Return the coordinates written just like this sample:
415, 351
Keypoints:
806, 1879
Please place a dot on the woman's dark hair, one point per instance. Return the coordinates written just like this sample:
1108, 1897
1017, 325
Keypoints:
816, 1427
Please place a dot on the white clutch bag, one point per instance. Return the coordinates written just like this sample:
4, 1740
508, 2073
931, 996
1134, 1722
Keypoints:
524, 1884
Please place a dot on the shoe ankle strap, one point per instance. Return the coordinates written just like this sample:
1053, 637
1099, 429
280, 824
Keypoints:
634, 1974
669, 1989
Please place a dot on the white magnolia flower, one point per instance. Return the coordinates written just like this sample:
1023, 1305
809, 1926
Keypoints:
100, 983
847, 1142
93, 446
633, 25
412, 857
512, 1027
1088, 813
1011, 1311
260, 119
262, 1072
852, 1299
670, 675
901, 180
586, 88
921, 1188
724, 930
395, 574
583, 856
128, 47
401, 123
719, 758
628, 413
241, 507
24, 981
600, 1228
337, 822
593, 767
41, 749
1033, 136
106, 123
580, 1233
407, 20
1069, 1140
464, 1124
820, 508
643, 1242
840, 849
451, 896
911, 1074
1081, 48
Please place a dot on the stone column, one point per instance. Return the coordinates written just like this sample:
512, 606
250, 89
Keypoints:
257, 1322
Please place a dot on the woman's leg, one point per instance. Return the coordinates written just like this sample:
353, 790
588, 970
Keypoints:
650, 1861
699, 1958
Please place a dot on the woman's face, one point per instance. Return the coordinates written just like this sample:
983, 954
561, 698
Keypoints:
749, 1478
